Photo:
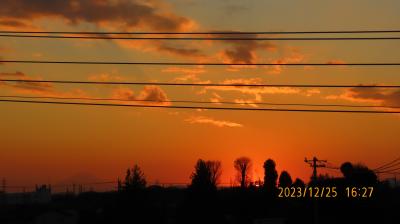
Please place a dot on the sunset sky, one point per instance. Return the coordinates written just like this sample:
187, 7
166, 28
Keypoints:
58, 143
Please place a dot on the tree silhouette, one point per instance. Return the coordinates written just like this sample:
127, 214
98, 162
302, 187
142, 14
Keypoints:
135, 179
215, 170
298, 183
119, 185
346, 169
285, 180
358, 174
243, 166
270, 175
206, 175
201, 198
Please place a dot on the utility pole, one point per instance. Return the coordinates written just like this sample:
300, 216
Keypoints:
315, 163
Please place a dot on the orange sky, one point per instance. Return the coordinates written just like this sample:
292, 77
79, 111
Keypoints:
51, 143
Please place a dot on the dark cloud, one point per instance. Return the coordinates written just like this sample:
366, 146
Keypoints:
244, 51
383, 96
181, 51
35, 87
28, 86
39, 89
15, 74
125, 13
149, 93
367, 93
388, 98
14, 23
240, 54
153, 93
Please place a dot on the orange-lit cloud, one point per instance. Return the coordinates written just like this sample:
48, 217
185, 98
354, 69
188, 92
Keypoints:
151, 95
112, 15
196, 70
187, 50
15, 74
127, 14
185, 74
16, 24
212, 121
38, 89
372, 95
294, 56
246, 102
245, 51
104, 77
216, 98
336, 62
311, 92
26, 87
256, 91
13, 23
183, 51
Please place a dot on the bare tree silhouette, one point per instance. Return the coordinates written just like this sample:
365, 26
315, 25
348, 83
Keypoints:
206, 175
243, 166
201, 199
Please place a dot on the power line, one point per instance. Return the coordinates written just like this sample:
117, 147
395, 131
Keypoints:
387, 164
204, 38
331, 166
199, 107
392, 170
211, 32
200, 84
390, 166
315, 163
193, 63
197, 102
333, 169
391, 173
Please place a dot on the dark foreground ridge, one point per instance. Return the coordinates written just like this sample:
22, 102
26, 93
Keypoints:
356, 197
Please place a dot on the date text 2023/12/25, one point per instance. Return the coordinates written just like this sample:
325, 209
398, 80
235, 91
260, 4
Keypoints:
325, 192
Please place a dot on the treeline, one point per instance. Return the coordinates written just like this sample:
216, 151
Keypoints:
248, 202
203, 202
207, 173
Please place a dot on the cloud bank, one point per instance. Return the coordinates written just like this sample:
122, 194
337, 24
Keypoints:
212, 121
